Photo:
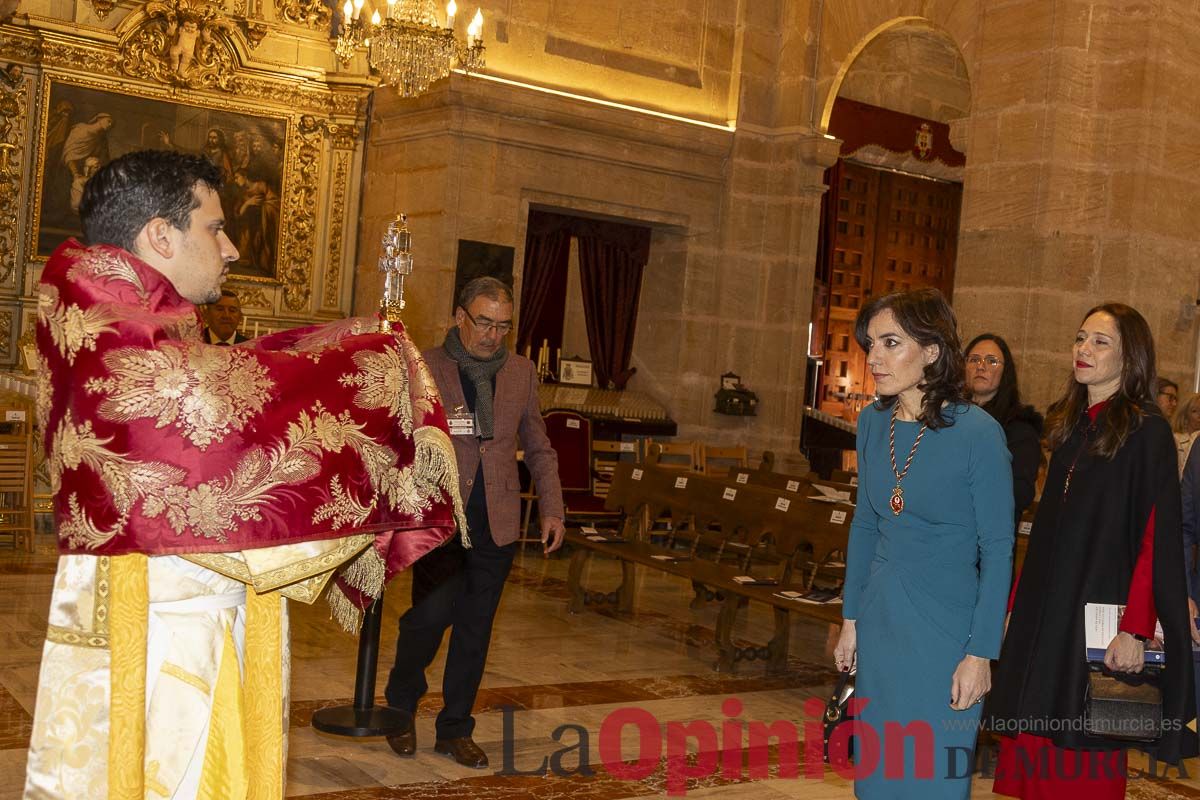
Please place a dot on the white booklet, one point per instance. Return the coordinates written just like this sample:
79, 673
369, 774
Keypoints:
1100, 624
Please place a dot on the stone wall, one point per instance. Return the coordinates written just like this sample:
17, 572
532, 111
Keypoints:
914, 70
1081, 179
734, 217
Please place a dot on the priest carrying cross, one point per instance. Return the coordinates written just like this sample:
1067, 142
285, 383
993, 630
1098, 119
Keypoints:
195, 487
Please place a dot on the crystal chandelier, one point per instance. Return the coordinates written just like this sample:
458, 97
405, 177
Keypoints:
408, 48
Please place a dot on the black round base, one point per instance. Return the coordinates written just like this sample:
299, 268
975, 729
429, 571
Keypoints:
351, 721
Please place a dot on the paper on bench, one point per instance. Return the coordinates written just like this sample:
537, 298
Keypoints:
831, 493
750, 580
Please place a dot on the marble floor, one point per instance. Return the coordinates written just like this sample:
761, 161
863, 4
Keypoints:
552, 680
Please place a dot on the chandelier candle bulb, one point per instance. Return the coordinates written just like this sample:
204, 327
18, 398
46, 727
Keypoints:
451, 10
375, 19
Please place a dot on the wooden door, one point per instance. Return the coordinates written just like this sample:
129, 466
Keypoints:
892, 233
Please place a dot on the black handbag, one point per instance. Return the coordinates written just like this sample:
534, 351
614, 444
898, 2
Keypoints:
1123, 706
837, 712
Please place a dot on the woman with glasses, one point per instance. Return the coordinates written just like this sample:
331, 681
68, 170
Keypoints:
992, 381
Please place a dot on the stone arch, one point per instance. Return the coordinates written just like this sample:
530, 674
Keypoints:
874, 37
848, 28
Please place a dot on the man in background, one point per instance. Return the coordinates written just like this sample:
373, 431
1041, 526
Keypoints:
491, 402
222, 320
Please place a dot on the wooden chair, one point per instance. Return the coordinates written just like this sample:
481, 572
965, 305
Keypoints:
16, 474
681, 456
717, 461
571, 436
605, 456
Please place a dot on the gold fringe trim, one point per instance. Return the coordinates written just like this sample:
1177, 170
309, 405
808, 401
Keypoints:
435, 465
348, 616
365, 573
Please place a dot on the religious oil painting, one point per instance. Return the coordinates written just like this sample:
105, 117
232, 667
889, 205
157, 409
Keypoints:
85, 128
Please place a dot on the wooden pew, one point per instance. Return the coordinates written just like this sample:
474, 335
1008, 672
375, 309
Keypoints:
789, 532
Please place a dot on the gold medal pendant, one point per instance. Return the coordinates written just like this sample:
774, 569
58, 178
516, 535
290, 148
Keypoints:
896, 502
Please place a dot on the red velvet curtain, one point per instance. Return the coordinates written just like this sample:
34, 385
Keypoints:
543, 282
612, 257
611, 276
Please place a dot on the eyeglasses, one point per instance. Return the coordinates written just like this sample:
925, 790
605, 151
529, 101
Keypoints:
991, 361
485, 324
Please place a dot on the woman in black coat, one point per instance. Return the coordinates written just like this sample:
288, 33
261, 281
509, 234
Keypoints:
992, 381
1107, 531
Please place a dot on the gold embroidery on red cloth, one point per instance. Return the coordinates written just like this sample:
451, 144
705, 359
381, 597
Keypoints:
210, 509
206, 392
72, 328
102, 263
343, 510
44, 397
383, 383
73, 446
79, 530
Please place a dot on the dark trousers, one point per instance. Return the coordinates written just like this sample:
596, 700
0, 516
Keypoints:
458, 588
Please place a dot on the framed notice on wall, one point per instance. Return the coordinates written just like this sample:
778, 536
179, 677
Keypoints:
575, 372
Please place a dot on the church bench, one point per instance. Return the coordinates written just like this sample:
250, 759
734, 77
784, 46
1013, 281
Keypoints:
783, 538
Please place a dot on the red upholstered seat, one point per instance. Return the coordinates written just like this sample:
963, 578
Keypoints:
571, 436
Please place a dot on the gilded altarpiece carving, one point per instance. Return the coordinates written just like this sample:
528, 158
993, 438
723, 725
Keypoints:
195, 55
14, 105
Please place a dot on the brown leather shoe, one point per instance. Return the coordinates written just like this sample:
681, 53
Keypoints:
464, 751
404, 744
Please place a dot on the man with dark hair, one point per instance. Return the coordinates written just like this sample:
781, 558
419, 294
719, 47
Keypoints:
197, 486
492, 402
222, 320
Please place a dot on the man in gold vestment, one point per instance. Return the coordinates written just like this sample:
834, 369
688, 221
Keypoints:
195, 487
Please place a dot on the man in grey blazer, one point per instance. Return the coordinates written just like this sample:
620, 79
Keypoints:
491, 402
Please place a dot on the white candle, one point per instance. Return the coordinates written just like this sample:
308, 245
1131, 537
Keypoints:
256, 328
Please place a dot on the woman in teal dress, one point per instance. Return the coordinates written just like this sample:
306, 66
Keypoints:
929, 561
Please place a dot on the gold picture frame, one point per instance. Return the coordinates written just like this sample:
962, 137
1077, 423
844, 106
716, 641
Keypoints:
85, 123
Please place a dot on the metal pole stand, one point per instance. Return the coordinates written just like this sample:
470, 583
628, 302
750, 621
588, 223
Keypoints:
364, 718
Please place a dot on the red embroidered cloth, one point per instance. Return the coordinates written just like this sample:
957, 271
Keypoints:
160, 443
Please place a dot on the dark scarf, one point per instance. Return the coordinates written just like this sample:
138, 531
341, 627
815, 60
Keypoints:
480, 372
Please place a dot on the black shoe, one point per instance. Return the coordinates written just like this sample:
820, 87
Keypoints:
463, 750
404, 744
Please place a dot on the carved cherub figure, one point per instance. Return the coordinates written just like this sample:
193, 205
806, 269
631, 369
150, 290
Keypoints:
183, 50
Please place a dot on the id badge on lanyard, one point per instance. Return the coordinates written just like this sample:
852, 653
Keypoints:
461, 422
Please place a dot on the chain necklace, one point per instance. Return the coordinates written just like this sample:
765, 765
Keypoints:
1087, 433
897, 501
